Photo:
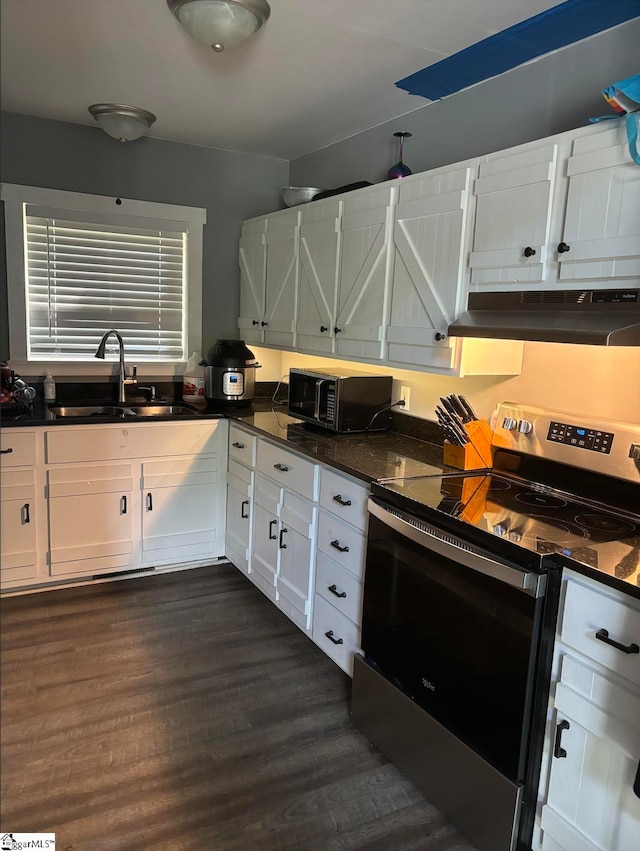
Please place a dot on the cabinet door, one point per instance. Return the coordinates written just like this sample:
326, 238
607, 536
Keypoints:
319, 253
90, 519
427, 292
296, 544
591, 804
281, 279
253, 257
602, 219
514, 193
239, 511
18, 516
364, 273
264, 536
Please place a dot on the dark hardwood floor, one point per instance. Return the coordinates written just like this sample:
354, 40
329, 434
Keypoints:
184, 711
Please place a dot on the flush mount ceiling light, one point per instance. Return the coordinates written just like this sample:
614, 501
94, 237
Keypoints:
124, 123
220, 24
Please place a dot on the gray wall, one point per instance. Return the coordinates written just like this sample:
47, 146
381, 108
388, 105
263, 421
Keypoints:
557, 93
231, 186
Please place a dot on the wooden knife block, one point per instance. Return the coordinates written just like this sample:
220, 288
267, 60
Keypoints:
475, 455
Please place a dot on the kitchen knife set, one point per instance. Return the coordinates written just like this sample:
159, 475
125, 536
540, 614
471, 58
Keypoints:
467, 438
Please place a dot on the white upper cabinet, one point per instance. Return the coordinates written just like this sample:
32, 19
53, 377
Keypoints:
253, 258
318, 281
428, 291
364, 272
281, 282
561, 213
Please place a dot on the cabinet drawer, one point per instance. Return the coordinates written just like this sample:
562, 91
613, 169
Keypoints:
342, 543
587, 612
242, 446
290, 470
335, 634
344, 497
339, 588
18, 448
240, 477
117, 442
17, 484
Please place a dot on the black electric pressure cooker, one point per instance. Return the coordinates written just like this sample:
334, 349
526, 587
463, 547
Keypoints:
230, 375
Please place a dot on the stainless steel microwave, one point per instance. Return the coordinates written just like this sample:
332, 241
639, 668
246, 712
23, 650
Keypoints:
343, 401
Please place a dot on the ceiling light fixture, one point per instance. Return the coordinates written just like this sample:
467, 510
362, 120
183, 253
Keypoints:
121, 122
220, 24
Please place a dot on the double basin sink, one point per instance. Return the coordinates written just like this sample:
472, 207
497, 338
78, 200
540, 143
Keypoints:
121, 411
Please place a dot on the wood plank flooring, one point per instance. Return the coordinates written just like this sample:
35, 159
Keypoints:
185, 712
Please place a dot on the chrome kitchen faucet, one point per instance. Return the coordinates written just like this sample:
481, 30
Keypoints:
123, 379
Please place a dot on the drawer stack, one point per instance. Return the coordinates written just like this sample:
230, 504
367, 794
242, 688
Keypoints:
340, 560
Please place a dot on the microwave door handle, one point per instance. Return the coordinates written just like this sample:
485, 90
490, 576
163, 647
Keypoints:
316, 404
442, 543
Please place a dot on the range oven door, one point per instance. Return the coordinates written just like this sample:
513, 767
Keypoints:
456, 630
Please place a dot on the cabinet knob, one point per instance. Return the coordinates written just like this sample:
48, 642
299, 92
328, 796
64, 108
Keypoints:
264, 324
255, 322
439, 337
563, 248
529, 252
323, 328
337, 330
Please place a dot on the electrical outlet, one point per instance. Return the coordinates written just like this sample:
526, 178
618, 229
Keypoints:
405, 394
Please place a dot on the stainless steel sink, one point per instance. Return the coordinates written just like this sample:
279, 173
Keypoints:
122, 411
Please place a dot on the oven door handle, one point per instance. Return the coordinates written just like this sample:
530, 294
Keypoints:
445, 545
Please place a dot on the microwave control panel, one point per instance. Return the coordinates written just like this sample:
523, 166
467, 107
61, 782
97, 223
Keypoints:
331, 403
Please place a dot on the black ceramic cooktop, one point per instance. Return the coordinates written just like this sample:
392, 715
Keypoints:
540, 519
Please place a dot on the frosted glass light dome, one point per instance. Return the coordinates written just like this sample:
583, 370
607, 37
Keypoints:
221, 24
122, 122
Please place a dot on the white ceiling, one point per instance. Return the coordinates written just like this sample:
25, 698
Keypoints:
319, 70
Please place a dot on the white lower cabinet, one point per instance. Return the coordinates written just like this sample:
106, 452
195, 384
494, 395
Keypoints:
239, 514
590, 783
18, 517
264, 542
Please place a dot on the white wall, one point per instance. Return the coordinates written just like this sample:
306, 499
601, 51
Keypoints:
595, 380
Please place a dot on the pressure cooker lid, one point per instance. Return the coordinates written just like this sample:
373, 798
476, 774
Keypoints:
230, 353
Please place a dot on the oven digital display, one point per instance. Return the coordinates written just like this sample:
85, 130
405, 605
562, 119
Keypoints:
583, 438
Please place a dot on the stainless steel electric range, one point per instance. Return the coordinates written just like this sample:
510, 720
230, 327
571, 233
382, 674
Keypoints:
460, 605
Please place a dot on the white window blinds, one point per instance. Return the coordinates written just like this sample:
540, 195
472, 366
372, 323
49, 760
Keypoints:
88, 272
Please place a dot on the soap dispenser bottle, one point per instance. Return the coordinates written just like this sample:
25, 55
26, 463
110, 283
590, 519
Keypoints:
49, 388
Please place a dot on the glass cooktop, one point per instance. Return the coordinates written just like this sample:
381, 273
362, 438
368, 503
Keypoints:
537, 518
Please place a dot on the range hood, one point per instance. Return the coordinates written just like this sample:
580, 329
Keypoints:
591, 317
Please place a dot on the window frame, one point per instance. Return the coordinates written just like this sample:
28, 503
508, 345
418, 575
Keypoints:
16, 196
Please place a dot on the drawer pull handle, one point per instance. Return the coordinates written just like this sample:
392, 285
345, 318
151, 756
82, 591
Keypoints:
123, 505
282, 467
242, 505
25, 509
238, 445
558, 751
336, 545
6, 451
337, 498
283, 532
273, 523
603, 635
149, 502
331, 638
334, 590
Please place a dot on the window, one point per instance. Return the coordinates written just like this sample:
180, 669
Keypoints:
78, 265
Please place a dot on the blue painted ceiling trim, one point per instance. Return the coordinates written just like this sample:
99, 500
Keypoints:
566, 23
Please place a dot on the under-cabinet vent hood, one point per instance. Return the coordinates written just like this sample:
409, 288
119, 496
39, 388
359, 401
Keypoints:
591, 317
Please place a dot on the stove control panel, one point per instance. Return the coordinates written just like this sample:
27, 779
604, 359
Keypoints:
583, 438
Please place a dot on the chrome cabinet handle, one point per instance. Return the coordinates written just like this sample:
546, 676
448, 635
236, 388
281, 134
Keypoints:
336, 545
238, 445
603, 635
338, 498
282, 467
334, 590
330, 636
242, 505
272, 537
